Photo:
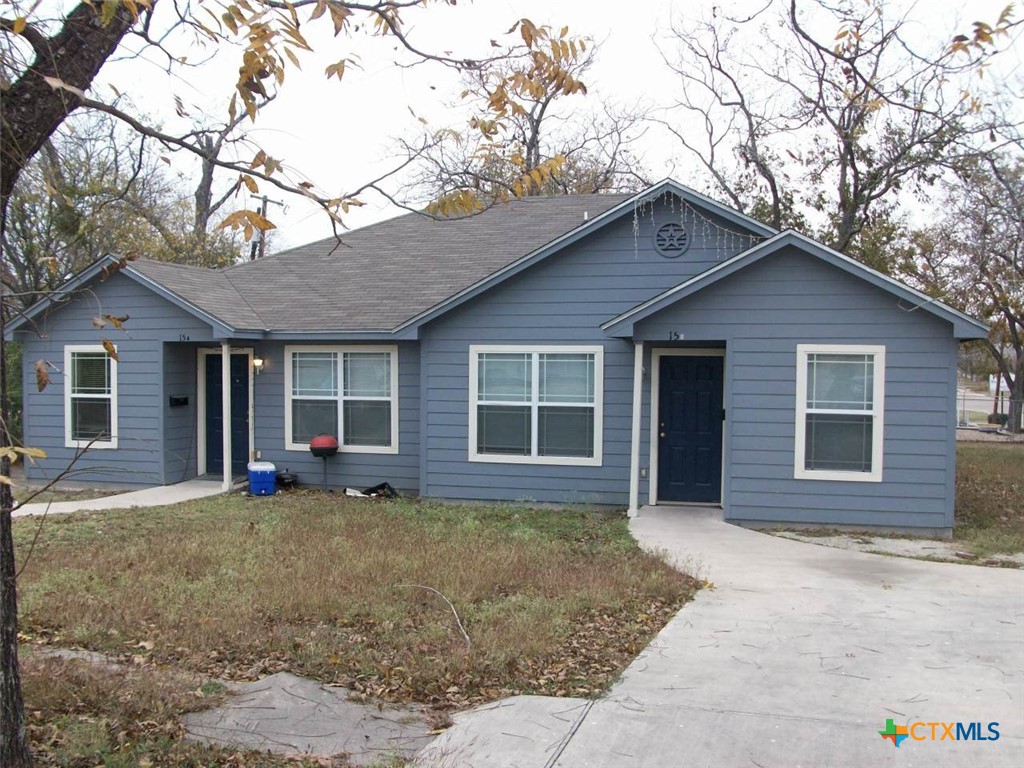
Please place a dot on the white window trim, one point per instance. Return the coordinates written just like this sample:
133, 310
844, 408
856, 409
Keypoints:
340, 351
800, 472
475, 350
69, 441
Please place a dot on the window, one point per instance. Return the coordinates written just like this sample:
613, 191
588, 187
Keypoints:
90, 398
535, 405
347, 392
840, 394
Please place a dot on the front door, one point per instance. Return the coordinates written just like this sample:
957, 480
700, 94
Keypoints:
690, 428
239, 414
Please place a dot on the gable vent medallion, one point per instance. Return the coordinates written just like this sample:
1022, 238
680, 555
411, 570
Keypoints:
671, 240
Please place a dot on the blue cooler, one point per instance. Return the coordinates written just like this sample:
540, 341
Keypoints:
262, 478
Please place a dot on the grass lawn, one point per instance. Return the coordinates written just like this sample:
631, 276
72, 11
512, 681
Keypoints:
334, 588
990, 497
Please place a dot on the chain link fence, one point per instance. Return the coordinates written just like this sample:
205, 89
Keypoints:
990, 411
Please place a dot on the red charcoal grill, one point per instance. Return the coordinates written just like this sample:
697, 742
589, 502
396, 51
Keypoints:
323, 447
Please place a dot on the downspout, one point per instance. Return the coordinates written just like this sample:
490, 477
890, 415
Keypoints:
634, 451
225, 406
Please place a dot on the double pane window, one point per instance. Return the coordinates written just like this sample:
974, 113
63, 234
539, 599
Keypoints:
90, 402
348, 394
536, 404
840, 412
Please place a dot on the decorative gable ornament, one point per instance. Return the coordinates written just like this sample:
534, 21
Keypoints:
671, 240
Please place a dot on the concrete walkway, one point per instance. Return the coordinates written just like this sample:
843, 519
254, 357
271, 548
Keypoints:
157, 496
796, 657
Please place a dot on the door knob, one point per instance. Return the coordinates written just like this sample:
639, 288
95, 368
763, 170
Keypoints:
662, 434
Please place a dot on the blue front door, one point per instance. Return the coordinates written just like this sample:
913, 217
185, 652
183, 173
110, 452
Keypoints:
690, 429
239, 415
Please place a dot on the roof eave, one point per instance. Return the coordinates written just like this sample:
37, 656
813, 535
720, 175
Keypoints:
87, 275
342, 335
219, 327
973, 331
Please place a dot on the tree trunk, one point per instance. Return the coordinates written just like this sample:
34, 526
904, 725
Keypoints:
14, 751
32, 109
1016, 409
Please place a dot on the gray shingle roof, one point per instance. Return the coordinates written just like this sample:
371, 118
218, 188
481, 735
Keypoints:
378, 276
206, 289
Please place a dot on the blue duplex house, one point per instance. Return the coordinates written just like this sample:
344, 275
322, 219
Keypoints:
627, 350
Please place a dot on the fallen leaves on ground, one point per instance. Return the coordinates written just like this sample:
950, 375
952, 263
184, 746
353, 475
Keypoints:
596, 649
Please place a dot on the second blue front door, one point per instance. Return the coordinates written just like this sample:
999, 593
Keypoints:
239, 414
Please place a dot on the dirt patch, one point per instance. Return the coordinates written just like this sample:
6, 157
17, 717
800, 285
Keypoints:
287, 714
101, 710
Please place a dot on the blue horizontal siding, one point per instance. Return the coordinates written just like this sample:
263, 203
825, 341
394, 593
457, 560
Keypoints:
561, 301
142, 457
762, 336
760, 314
180, 427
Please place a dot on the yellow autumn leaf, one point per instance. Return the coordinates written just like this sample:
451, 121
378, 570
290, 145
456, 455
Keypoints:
42, 375
259, 221
110, 348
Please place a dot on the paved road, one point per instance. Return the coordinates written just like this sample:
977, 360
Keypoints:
797, 657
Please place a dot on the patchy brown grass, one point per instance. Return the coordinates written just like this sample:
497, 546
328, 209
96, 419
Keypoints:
83, 714
990, 497
24, 495
553, 602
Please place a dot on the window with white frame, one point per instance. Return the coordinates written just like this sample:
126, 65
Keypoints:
348, 392
840, 412
536, 405
90, 398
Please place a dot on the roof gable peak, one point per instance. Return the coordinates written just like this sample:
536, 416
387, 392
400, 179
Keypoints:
964, 326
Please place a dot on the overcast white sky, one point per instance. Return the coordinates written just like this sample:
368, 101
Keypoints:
341, 135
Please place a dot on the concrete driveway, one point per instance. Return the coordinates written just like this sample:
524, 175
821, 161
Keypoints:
796, 657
